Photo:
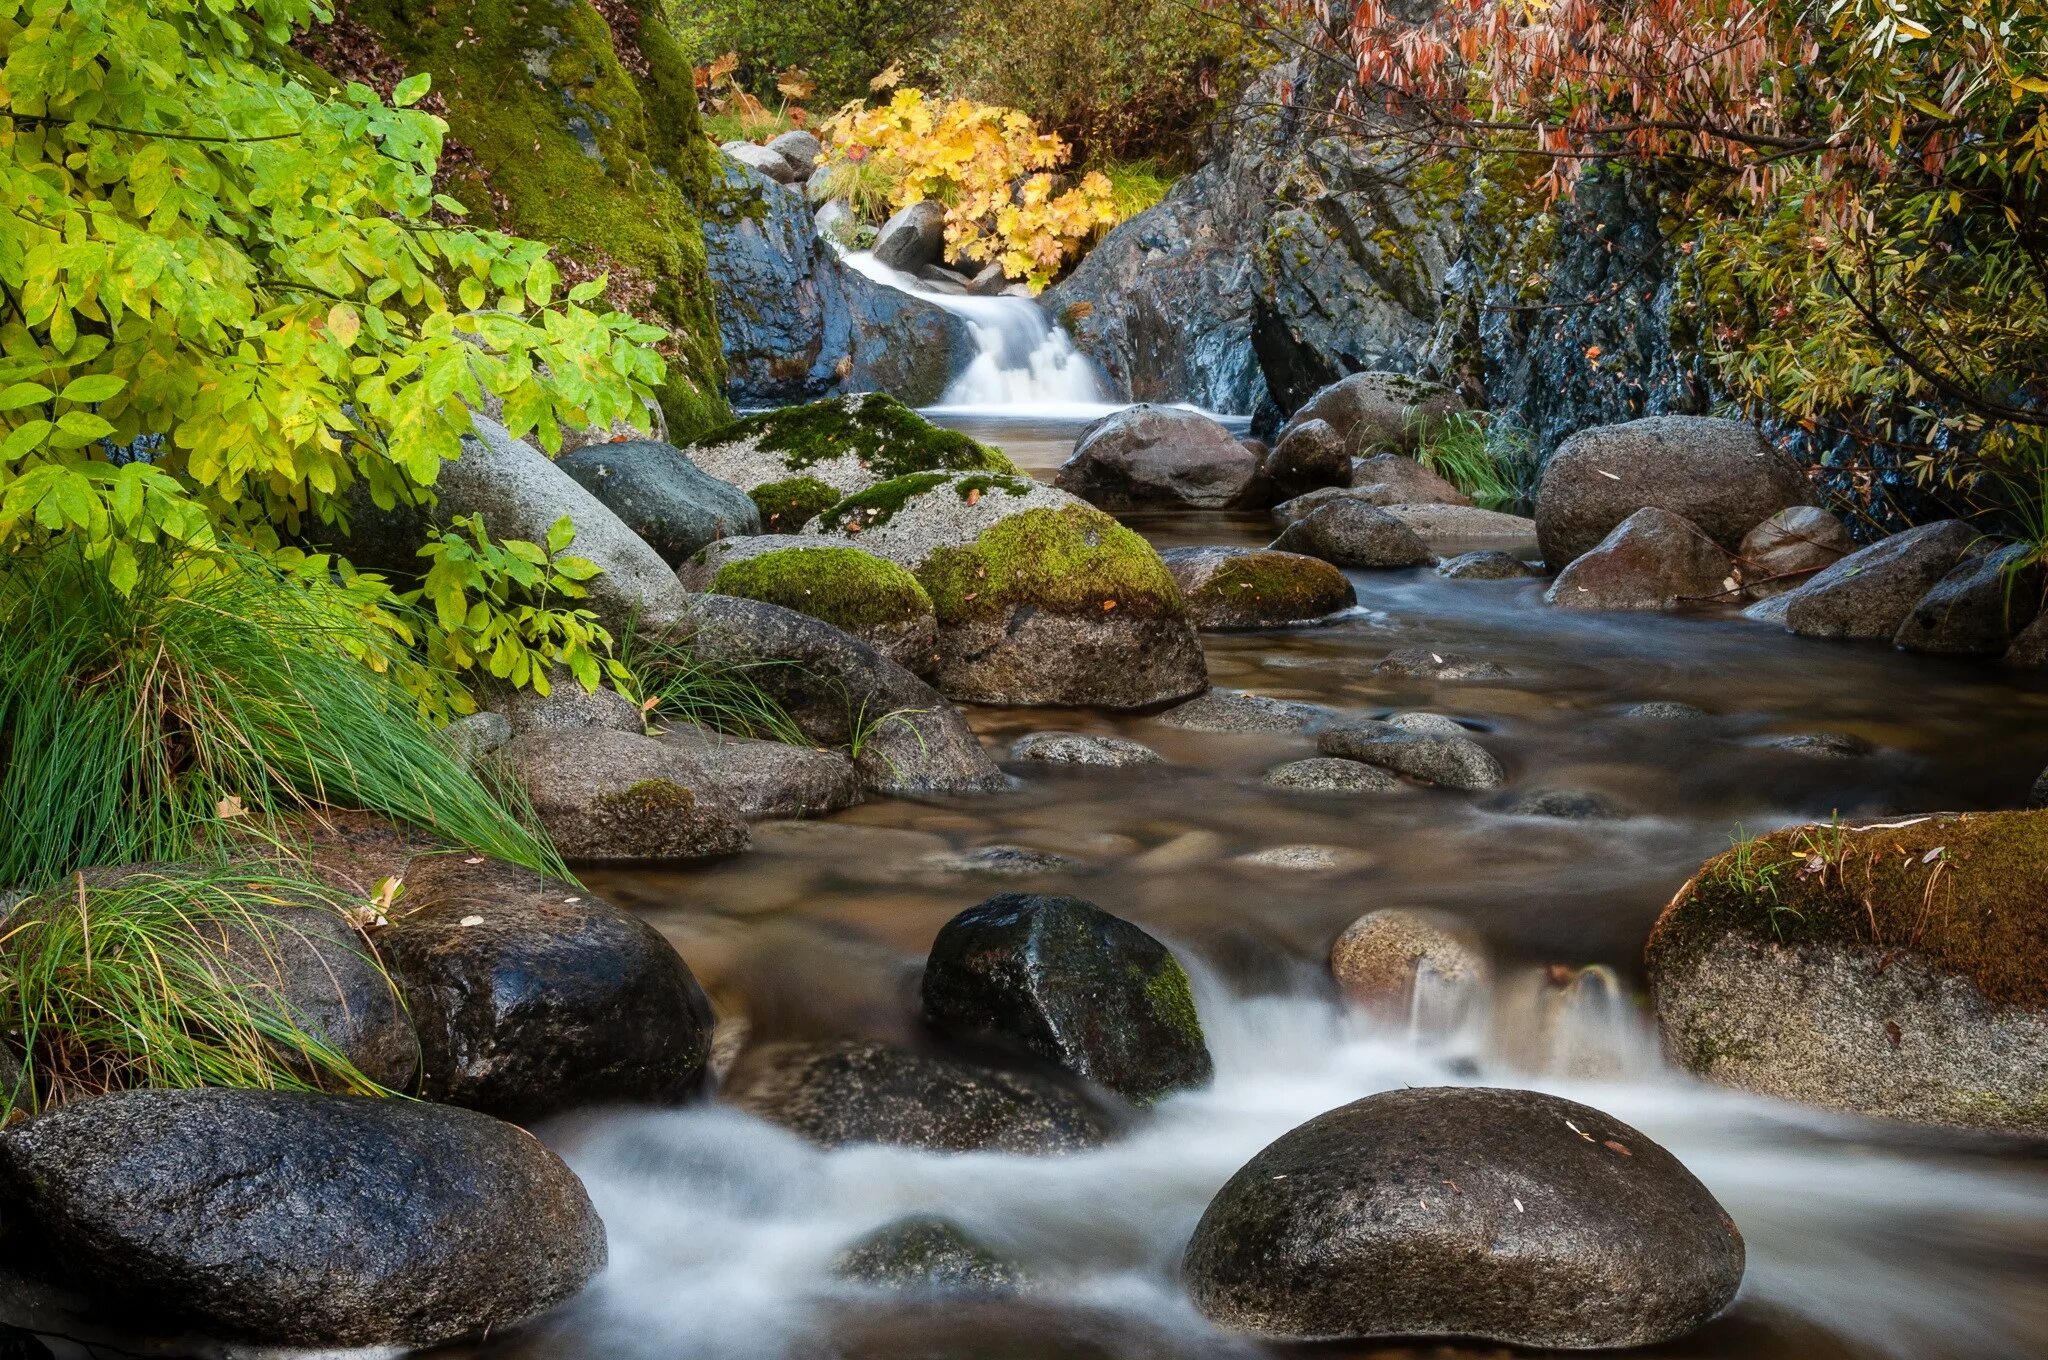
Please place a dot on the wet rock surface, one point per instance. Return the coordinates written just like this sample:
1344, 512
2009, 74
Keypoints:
1486, 565
1974, 610
1229, 710
1082, 748
1330, 774
1349, 533
927, 1254
1161, 456
1384, 956
1457, 1211
1454, 762
767, 778
1789, 547
609, 796
1241, 588
1869, 593
1652, 560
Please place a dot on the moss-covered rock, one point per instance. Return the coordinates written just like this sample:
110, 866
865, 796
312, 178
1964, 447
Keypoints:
874, 599
786, 506
571, 130
847, 443
1896, 969
1230, 588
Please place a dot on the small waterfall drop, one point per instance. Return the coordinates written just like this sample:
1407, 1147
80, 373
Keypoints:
1021, 361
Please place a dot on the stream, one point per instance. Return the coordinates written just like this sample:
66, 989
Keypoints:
1865, 1241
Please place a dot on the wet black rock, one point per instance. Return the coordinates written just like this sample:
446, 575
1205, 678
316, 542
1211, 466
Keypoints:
1491, 565
855, 1091
1349, 533
929, 1255
662, 496
1454, 762
290, 1219
1868, 594
531, 996
1065, 981
1976, 609
1507, 1215
1161, 456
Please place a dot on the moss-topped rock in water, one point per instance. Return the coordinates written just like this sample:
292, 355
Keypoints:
874, 599
1230, 588
847, 443
571, 126
1897, 969
1040, 597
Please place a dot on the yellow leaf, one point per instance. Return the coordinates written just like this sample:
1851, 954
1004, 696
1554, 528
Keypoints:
343, 323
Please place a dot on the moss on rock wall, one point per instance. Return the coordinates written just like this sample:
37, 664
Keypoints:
572, 125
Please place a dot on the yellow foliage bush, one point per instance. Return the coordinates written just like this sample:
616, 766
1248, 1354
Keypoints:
990, 167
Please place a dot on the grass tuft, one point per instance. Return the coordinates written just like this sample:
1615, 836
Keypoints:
1493, 462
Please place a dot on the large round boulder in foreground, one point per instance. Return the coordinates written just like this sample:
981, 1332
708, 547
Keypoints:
1897, 970
289, 1219
1065, 981
1161, 456
1457, 1211
1720, 474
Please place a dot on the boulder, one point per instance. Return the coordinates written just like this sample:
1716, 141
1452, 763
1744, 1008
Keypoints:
800, 148
1869, 593
1511, 1216
1041, 598
1306, 859
846, 444
870, 597
1652, 560
1720, 474
1485, 565
1301, 507
1395, 479
854, 1091
927, 1254
1789, 547
286, 1219
2029, 648
1395, 962
1458, 528
1146, 456
1230, 710
1978, 607
1350, 533
1895, 970
621, 797
566, 705
1311, 455
1329, 774
472, 738
1243, 588
765, 779
658, 493
1063, 980
840, 691
1454, 762
1082, 748
1377, 411
763, 160
913, 238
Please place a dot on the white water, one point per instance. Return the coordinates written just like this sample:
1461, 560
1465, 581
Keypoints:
723, 1228
1021, 360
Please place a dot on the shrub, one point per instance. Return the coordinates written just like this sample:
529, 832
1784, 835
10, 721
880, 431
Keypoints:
217, 694
842, 44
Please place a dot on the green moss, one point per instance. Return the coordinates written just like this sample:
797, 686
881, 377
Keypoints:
845, 587
1071, 559
572, 149
1969, 894
1173, 1001
1266, 582
967, 488
649, 795
880, 502
888, 437
786, 506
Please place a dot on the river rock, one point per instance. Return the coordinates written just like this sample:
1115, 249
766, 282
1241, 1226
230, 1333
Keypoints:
1454, 762
1570, 805
854, 1091
469, 739
621, 797
765, 779
1869, 593
1230, 710
800, 148
1720, 474
927, 1254
842, 444
1452, 1211
1144, 456
1311, 455
1976, 609
1082, 748
658, 493
1041, 598
1063, 980
1245, 588
913, 238
286, 1219
1652, 560
763, 160
1427, 663
838, 690
1893, 970
1328, 774
1377, 411
1380, 956
1486, 565
566, 705
2029, 648
870, 597
1456, 528
1822, 745
1664, 710
1789, 547
1350, 533
1395, 479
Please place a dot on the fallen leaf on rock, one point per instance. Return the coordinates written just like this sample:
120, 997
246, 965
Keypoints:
472, 920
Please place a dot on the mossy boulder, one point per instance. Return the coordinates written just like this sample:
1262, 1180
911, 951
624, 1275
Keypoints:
1065, 981
788, 505
846, 443
573, 126
1040, 597
1237, 588
872, 598
1897, 969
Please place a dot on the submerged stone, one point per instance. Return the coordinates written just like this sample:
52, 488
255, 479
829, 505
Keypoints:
927, 1254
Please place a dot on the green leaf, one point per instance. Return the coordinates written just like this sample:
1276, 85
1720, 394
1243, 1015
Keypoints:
560, 535
411, 90
23, 394
24, 438
94, 387
84, 425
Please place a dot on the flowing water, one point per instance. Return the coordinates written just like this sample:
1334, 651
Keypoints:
1866, 1242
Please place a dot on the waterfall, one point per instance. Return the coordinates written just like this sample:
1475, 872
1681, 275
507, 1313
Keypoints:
1021, 360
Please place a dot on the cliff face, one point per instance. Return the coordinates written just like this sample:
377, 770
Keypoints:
575, 124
